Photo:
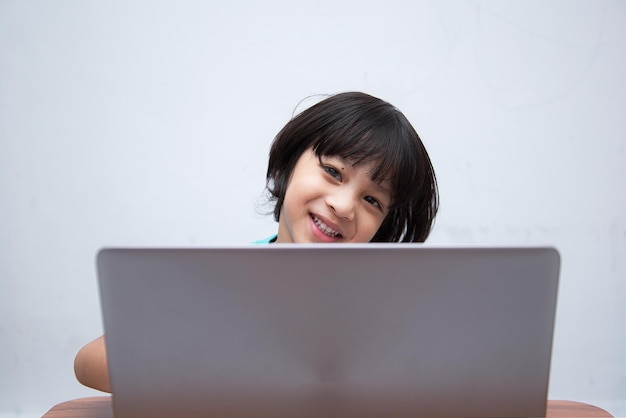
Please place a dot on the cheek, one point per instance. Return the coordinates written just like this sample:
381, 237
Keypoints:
376, 227
380, 221
287, 205
370, 228
293, 198
303, 187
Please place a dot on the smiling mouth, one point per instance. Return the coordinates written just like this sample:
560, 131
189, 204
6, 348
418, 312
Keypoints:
326, 230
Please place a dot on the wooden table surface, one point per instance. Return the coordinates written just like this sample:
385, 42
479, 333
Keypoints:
100, 407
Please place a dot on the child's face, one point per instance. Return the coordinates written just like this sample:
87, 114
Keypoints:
332, 201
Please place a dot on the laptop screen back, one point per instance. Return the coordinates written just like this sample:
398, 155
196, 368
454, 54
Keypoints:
394, 330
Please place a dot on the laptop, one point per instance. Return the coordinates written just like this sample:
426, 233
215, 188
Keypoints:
366, 330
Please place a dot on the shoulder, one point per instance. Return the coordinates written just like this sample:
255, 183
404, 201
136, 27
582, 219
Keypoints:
267, 240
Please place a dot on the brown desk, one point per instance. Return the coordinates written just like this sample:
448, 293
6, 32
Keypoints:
100, 407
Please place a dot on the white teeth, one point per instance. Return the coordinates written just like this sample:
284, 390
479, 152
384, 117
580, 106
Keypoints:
327, 230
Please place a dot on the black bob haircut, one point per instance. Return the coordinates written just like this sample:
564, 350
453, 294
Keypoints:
363, 129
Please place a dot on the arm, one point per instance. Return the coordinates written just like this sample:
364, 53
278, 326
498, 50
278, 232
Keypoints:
90, 365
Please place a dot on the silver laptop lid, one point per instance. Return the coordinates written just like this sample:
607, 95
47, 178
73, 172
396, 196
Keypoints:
393, 330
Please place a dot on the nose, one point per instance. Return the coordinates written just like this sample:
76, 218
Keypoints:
342, 203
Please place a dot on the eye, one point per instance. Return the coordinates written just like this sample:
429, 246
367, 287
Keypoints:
332, 171
372, 201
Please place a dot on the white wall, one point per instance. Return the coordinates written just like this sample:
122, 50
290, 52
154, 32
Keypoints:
149, 123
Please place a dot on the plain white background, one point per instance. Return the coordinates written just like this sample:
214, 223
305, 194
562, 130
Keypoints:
149, 123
